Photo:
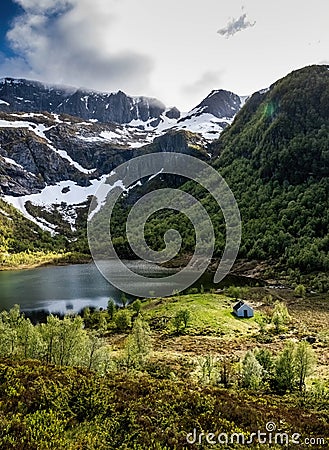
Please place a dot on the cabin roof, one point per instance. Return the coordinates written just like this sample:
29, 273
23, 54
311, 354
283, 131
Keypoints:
238, 305
241, 303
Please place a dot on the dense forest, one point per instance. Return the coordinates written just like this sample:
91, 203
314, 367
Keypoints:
275, 158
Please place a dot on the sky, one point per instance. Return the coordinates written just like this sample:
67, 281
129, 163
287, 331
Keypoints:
174, 50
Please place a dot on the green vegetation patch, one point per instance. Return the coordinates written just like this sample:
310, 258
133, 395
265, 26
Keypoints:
43, 407
210, 314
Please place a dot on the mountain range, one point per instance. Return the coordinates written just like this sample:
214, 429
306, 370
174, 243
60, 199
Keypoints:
57, 144
275, 158
25, 96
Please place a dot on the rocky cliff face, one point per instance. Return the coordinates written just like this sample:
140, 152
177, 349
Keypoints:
29, 158
51, 164
221, 104
57, 144
37, 150
31, 96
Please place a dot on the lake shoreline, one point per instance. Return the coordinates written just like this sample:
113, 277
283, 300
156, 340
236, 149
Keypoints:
53, 262
253, 270
66, 288
262, 272
238, 269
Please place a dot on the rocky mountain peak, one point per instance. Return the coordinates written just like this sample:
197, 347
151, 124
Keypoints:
20, 95
221, 104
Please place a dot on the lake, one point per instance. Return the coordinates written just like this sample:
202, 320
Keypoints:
68, 289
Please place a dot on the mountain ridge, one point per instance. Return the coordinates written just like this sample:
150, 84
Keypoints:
21, 95
274, 155
217, 109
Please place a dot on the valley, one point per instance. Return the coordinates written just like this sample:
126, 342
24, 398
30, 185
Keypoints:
54, 161
148, 373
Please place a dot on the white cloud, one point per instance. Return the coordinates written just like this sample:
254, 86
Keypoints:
235, 26
50, 6
70, 42
201, 87
169, 49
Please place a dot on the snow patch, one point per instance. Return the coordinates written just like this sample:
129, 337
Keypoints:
40, 130
195, 121
205, 124
12, 162
5, 214
137, 144
108, 135
243, 99
85, 100
73, 195
155, 175
19, 203
263, 91
63, 154
104, 187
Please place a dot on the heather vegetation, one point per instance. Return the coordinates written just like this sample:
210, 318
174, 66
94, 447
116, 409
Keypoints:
144, 375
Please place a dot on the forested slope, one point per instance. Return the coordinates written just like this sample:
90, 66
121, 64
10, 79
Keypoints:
275, 158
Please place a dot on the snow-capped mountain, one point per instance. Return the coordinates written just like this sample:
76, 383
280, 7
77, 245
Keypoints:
212, 115
50, 164
208, 118
57, 144
32, 96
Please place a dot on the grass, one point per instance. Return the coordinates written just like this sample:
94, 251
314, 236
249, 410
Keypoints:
210, 315
214, 330
28, 260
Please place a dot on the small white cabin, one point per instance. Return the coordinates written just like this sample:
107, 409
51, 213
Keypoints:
242, 309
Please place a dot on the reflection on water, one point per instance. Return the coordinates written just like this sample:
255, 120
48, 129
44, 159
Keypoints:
63, 289
69, 289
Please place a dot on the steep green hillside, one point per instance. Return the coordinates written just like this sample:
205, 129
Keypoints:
275, 158
23, 243
18, 234
284, 132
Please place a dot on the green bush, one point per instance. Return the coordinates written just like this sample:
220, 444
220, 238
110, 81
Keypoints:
122, 320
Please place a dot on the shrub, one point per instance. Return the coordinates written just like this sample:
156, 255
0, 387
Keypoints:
300, 291
122, 320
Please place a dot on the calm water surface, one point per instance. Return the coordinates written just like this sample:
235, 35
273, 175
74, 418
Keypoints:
63, 289
68, 289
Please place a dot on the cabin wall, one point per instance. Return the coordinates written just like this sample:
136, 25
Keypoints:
240, 312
